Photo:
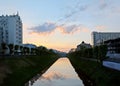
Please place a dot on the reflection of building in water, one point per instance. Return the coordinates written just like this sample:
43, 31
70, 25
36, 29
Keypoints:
99, 37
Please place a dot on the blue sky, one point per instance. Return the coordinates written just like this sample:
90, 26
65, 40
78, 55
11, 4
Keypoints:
63, 24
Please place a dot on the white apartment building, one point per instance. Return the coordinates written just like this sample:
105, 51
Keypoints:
99, 37
11, 29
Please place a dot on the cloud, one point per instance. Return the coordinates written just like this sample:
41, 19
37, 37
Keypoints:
73, 10
80, 7
103, 4
45, 28
54, 75
72, 29
100, 27
48, 28
115, 10
83, 8
69, 29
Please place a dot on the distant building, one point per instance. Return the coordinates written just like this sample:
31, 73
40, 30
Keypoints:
83, 45
11, 29
99, 37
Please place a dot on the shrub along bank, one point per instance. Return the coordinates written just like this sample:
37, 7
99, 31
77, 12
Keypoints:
17, 71
95, 71
97, 52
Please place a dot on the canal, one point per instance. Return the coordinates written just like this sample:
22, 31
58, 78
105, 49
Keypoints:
61, 73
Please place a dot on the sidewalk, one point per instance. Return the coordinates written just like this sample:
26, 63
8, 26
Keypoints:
113, 63
117, 60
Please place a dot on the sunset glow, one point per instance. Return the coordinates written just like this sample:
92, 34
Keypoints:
63, 24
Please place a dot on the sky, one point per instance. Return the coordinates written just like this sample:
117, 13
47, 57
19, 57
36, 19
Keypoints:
63, 24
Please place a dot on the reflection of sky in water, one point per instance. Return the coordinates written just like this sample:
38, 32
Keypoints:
61, 73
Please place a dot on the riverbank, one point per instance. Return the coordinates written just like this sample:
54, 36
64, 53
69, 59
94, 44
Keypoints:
17, 71
99, 75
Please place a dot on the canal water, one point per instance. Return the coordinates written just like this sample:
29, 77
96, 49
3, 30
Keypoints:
61, 73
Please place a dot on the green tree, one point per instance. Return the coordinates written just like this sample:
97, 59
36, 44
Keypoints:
11, 47
24, 50
99, 52
27, 50
21, 49
95, 52
88, 53
102, 50
32, 51
42, 48
4, 47
16, 49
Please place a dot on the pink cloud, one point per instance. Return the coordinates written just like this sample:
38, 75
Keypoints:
100, 27
103, 4
49, 28
72, 29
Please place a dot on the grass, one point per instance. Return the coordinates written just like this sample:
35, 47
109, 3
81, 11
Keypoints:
22, 69
101, 75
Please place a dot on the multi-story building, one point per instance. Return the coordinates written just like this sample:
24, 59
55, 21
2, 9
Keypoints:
99, 37
11, 29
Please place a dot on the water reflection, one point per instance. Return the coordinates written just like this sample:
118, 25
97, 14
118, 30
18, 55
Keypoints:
61, 73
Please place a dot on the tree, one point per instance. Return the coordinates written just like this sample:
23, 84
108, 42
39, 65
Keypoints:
102, 50
32, 51
4, 47
27, 50
95, 52
16, 48
24, 50
11, 47
21, 49
41, 50
88, 53
51, 50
